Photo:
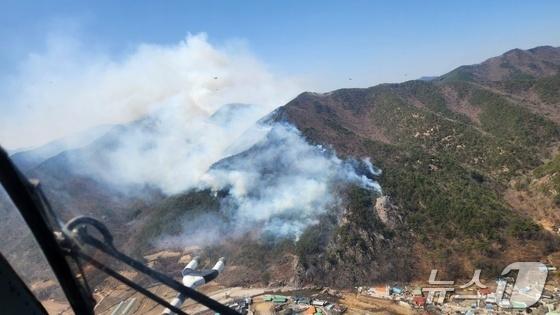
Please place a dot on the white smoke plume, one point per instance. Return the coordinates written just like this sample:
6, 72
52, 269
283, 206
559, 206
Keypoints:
67, 88
285, 182
271, 174
189, 118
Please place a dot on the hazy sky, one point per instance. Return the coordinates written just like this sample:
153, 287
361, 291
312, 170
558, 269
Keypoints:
66, 66
326, 41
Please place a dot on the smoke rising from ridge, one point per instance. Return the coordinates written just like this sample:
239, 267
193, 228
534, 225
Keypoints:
285, 182
189, 118
270, 175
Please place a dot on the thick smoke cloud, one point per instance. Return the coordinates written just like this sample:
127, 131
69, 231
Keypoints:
172, 149
68, 88
285, 182
269, 173
189, 119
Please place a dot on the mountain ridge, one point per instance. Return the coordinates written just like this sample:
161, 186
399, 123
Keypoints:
451, 150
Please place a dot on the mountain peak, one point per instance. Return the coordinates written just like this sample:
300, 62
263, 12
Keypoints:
514, 64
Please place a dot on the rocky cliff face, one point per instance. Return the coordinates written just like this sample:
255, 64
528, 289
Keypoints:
368, 244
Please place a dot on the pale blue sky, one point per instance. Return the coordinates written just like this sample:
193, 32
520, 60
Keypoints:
332, 41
